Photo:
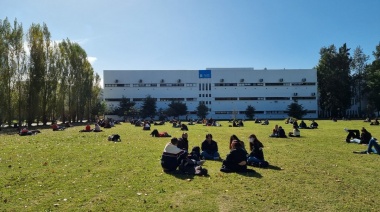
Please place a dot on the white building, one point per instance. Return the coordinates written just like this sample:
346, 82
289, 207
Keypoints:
226, 91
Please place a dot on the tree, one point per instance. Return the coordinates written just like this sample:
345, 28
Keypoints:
49, 81
99, 108
124, 108
372, 76
334, 80
176, 109
36, 74
149, 107
250, 112
296, 110
202, 110
358, 65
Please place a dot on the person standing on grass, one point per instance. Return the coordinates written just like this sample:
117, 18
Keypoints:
210, 149
172, 156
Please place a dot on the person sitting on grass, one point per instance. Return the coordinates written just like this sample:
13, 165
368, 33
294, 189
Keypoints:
296, 132
146, 126
373, 147
183, 142
303, 125
172, 156
365, 137
155, 133
281, 132
210, 149
314, 125
274, 131
235, 138
56, 127
256, 157
97, 128
184, 127
86, 129
236, 160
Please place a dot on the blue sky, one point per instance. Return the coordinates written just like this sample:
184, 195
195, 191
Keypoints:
195, 34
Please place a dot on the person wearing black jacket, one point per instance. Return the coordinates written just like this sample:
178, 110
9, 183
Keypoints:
236, 160
256, 157
365, 137
210, 149
183, 142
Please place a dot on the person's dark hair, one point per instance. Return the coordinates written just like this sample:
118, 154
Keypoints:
174, 141
235, 144
209, 136
234, 137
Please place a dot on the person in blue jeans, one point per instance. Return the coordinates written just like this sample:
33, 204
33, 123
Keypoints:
210, 149
257, 155
373, 146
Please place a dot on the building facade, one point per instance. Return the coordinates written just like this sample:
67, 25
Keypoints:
227, 92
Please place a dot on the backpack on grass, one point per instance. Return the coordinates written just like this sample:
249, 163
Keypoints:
114, 138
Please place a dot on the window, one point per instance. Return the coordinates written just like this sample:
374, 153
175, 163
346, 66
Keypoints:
274, 84
113, 99
251, 84
277, 98
302, 83
225, 98
304, 98
225, 84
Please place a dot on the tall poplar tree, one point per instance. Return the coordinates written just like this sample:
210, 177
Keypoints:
372, 76
334, 80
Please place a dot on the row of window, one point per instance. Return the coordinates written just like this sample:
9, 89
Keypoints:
207, 86
217, 99
153, 85
260, 112
263, 98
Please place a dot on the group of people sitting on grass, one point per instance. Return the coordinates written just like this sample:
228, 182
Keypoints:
95, 129
302, 125
363, 137
278, 132
176, 155
238, 123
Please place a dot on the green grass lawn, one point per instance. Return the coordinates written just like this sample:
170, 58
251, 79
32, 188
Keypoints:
72, 171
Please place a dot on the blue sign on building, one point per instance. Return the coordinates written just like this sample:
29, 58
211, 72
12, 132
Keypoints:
204, 73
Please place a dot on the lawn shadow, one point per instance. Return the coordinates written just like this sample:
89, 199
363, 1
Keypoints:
273, 167
183, 176
250, 173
